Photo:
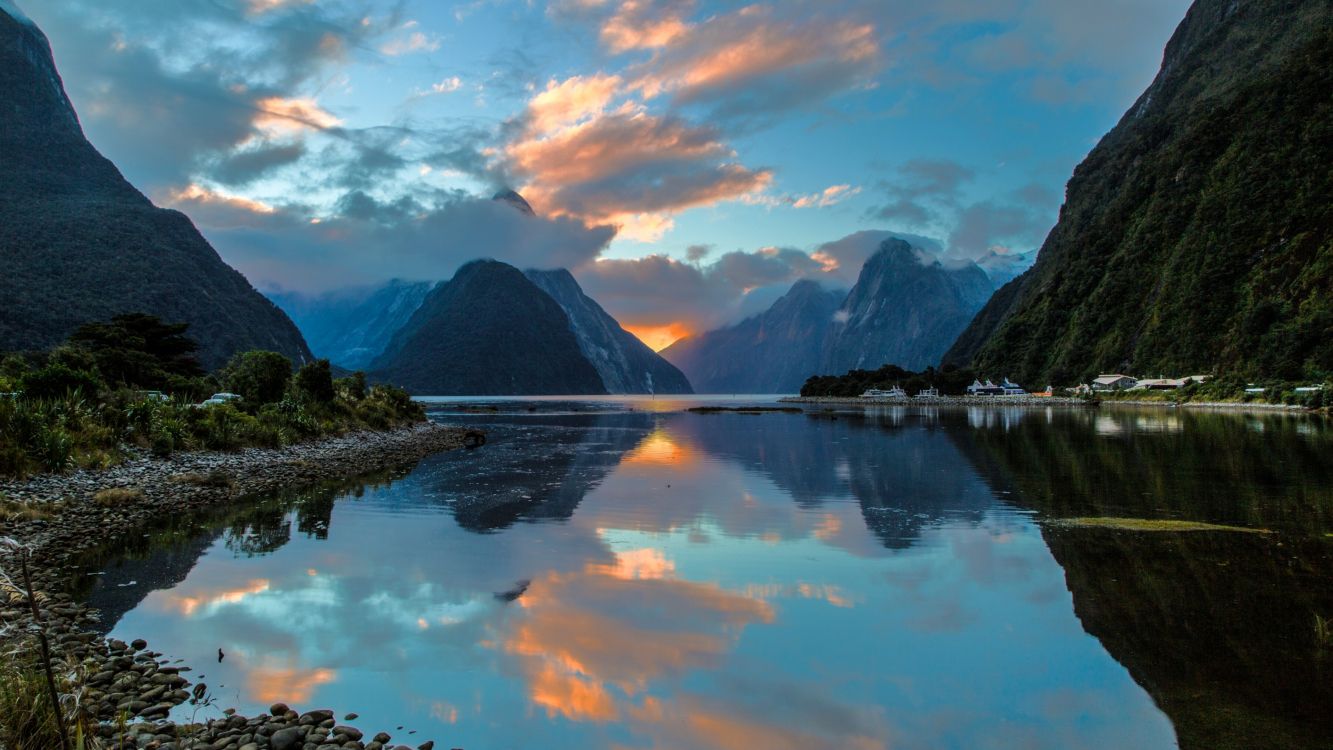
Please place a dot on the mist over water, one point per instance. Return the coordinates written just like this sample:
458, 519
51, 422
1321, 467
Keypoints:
623, 573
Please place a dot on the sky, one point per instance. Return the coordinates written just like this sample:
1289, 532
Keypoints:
687, 159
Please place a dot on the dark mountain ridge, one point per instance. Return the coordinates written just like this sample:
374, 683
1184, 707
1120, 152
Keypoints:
78, 243
1196, 236
625, 364
772, 352
488, 331
906, 308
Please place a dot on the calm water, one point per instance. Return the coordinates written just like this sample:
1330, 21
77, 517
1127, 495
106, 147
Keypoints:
623, 574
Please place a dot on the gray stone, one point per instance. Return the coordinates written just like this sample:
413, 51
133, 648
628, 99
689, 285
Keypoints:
285, 739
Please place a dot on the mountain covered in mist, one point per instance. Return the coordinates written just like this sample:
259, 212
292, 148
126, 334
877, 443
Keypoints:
773, 352
625, 364
78, 243
1198, 235
488, 330
351, 327
905, 309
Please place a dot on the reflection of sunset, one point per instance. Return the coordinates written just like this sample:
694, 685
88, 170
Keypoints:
660, 448
645, 563
620, 626
288, 684
816, 591
659, 337
188, 605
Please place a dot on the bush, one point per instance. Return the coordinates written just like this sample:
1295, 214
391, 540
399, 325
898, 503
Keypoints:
58, 381
259, 377
352, 387
315, 381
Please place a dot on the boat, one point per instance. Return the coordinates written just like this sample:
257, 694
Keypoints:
894, 392
931, 392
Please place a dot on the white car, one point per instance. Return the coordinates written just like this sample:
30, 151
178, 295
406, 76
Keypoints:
220, 398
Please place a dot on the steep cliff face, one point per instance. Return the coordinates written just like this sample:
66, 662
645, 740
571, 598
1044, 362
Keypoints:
625, 364
905, 310
773, 352
1196, 236
352, 327
78, 243
488, 331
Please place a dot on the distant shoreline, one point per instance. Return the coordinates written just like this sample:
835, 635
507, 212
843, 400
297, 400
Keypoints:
1040, 401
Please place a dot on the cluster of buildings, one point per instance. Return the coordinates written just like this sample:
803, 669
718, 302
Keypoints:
1117, 382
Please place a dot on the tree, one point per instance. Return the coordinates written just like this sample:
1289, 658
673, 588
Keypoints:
260, 377
315, 381
139, 350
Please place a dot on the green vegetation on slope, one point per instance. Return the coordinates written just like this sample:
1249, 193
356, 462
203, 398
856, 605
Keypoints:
1196, 236
85, 402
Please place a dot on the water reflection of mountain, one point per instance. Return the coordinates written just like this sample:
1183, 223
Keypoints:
531, 468
1262, 471
899, 464
1220, 628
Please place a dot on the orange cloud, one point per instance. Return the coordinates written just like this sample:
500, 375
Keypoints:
634, 26
202, 196
259, 7
660, 337
571, 100
753, 43
271, 684
637, 564
188, 605
278, 115
579, 654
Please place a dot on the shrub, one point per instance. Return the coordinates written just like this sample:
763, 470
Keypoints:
315, 381
352, 387
259, 377
116, 497
58, 381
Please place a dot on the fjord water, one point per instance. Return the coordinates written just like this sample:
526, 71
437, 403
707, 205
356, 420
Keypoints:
623, 573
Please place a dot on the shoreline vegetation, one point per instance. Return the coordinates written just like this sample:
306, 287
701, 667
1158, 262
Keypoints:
133, 384
951, 384
104, 436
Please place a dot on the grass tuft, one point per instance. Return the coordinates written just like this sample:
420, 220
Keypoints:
115, 497
215, 478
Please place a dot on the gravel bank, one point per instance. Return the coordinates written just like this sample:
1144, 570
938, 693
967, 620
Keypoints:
129, 681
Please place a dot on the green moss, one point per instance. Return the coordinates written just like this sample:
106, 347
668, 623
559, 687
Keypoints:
1154, 525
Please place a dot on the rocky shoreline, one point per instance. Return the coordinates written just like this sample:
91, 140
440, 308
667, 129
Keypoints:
127, 687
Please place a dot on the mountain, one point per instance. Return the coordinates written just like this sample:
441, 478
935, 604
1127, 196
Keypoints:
905, 309
78, 243
773, 352
1196, 236
625, 364
351, 327
488, 331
